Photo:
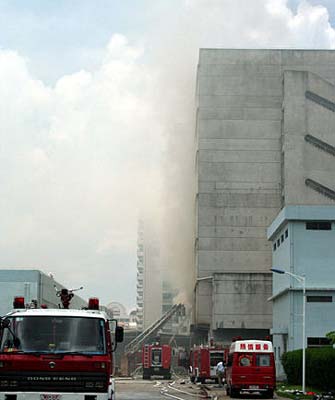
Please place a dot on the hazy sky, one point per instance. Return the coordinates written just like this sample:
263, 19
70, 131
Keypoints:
91, 93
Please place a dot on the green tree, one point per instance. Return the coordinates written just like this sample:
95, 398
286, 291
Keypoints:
331, 336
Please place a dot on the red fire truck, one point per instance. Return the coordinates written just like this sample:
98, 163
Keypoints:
57, 354
156, 360
203, 362
193, 364
251, 368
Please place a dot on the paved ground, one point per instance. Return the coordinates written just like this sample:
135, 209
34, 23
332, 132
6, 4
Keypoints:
217, 393
178, 389
136, 390
157, 390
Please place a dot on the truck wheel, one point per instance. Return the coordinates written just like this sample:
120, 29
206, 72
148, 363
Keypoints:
192, 379
234, 393
146, 376
269, 394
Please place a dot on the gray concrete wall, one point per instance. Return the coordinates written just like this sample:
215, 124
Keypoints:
302, 159
242, 179
236, 301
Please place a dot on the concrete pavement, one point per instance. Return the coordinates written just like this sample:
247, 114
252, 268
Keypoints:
217, 393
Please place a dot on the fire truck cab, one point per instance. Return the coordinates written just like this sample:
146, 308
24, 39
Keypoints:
251, 368
57, 354
156, 360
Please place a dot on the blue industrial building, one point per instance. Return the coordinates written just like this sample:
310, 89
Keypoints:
32, 285
303, 243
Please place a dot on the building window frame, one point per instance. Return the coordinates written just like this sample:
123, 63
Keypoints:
319, 299
318, 225
318, 342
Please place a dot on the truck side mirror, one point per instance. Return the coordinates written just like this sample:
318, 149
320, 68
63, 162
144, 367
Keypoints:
5, 323
119, 334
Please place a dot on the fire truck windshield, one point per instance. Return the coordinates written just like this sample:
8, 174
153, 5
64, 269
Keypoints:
54, 334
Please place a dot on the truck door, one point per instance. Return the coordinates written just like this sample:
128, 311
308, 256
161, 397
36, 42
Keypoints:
256, 369
263, 369
242, 372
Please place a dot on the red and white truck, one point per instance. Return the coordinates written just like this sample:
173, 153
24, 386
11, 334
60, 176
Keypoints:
193, 364
250, 368
203, 362
156, 360
57, 354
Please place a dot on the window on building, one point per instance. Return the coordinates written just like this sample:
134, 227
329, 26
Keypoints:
167, 298
166, 307
282, 238
319, 299
286, 233
317, 341
278, 242
319, 225
274, 246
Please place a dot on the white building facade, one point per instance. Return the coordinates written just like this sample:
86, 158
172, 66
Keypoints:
303, 239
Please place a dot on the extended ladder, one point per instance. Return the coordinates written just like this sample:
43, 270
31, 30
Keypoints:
136, 343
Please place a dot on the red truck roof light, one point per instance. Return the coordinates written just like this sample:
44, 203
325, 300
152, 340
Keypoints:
93, 303
18, 302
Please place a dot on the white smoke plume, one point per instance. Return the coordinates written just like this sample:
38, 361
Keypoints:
80, 158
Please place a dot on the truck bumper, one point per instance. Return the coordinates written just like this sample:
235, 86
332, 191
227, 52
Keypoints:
54, 396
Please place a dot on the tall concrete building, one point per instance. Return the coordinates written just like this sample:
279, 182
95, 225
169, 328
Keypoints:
265, 128
149, 276
140, 276
155, 292
152, 283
